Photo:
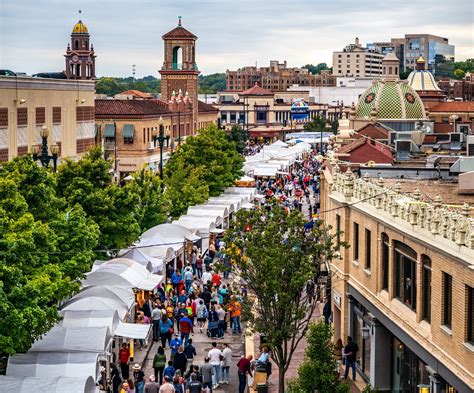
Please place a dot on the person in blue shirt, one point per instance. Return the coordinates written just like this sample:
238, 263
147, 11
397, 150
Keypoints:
169, 371
176, 279
165, 327
174, 345
183, 297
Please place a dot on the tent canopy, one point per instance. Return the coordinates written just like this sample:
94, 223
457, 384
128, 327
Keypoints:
279, 144
172, 235
249, 191
42, 385
203, 210
139, 256
201, 224
90, 318
164, 254
53, 364
133, 330
73, 339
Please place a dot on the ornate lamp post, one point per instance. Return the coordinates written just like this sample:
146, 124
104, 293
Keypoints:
45, 158
161, 138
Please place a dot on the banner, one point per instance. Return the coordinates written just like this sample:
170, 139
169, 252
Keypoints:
299, 110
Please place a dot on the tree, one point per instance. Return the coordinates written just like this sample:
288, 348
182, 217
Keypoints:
404, 73
317, 124
109, 86
318, 372
212, 83
459, 74
276, 258
316, 70
237, 135
215, 155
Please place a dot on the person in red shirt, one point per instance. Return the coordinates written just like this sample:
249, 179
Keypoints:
216, 279
124, 357
244, 369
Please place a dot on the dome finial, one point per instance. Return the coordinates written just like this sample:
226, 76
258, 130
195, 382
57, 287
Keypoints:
179, 21
420, 63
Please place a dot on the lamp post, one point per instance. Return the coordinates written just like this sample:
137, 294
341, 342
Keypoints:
45, 158
161, 138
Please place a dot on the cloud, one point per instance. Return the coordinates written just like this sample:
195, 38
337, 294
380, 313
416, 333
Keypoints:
232, 34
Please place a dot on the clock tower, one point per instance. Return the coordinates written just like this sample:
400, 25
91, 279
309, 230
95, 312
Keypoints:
179, 71
80, 57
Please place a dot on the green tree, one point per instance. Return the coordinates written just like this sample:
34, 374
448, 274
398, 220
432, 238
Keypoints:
319, 370
316, 69
459, 74
213, 152
276, 259
317, 124
237, 135
109, 86
212, 83
404, 73
152, 206
466, 66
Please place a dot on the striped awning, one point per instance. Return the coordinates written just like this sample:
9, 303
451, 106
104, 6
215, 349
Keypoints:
128, 131
109, 131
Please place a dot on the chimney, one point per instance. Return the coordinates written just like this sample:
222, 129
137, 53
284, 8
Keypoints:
357, 41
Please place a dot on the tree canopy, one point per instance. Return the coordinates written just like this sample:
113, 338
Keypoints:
316, 69
276, 258
212, 83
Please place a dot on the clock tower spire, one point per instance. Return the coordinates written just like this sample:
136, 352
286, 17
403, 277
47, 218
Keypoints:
80, 57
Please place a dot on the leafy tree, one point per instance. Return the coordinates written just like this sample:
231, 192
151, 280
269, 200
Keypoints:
212, 83
152, 206
459, 74
317, 124
319, 370
466, 66
109, 86
237, 135
404, 73
185, 186
276, 258
316, 69
213, 152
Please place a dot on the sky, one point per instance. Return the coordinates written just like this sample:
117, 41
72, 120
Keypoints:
232, 33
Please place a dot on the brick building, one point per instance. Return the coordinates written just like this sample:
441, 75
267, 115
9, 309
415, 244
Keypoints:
276, 77
404, 289
458, 89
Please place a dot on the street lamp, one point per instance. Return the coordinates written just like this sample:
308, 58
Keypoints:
45, 158
161, 138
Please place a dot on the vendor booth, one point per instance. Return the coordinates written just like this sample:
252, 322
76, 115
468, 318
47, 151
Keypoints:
45, 385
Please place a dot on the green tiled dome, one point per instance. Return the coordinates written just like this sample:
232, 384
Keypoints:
391, 100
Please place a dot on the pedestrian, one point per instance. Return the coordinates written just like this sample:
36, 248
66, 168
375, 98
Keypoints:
221, 323
166, 328
194, 253
186, 328
180, 360
350, 354
115, 376
188, 277
236, 310
152, 386
244, 370
206, 277
167, 387
215, 357
226, 362
201, 313
139, 378
124, 358
159, 363
207, 374
128, 387
213, 323
176, 280
199, 264
190, 351
174, 345
177, 384
156, 317
194, 386
169, 371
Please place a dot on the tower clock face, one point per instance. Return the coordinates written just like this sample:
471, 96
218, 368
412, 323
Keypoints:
89, 59
75, 58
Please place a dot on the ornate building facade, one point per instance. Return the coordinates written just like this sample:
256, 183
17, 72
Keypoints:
80, 56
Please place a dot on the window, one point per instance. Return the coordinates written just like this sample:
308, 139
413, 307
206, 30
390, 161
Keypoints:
470, 314
426, 282
405, 274
385, 260
232, 117
356, 241
338, 231
368, 246
447, 299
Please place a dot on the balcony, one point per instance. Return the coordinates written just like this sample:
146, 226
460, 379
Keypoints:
184, 66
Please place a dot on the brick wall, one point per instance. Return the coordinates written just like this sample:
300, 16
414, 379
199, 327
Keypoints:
40, 116
22, 116
3, 155
83, 145
85, 113
3, 117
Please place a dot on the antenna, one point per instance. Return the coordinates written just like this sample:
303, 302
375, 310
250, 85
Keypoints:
80, 12
179, 21
134, 69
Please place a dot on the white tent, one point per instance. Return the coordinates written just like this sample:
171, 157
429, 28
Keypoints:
74, 339
164, 254
95, 318
121, 274
172, 235
146, 264
201, 224
43, 385
202, 210
265, 172
279, 144
249, 191
53, 364
133, 330
139, 256
232, 206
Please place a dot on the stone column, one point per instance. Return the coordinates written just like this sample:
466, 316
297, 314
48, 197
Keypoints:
350, 318
391, 271
380, 354
419, 288
435, 380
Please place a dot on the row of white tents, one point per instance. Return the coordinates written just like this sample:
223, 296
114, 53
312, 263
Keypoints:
275, 159
69, 358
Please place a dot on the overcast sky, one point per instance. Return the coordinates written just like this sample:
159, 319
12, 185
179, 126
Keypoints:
232, 33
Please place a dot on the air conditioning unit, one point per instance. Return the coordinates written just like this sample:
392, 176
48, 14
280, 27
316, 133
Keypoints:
470, 145
456, 137
151, 145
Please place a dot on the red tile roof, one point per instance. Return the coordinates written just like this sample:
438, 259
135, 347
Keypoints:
454, 106
374, 131
257, 91
203, 107
129, 107
362, 151
136, 93
179, 32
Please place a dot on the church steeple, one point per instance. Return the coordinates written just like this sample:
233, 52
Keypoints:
80, 57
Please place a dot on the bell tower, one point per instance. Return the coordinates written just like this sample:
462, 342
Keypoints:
179, 70
80, 57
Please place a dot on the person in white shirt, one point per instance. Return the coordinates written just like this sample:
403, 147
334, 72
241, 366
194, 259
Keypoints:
207, 276
226, 362
215, 357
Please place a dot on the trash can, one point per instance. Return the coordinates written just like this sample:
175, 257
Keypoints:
262, 388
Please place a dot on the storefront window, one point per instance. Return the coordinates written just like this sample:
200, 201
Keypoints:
405, 274
361, 325
385, 260
426, 289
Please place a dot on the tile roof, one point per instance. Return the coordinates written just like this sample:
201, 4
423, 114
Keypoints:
453, 106
179, 32
374, 131
363, 150
203, 107
130, 107
257, 91
136, 93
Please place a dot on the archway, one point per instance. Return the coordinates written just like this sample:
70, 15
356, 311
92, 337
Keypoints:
177, 58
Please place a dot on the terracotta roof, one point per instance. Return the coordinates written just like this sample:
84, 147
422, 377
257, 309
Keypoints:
129, 107
374, 131
203, 107
352, 146
179, 32
454, 106
370, 151
136, 93
257, 91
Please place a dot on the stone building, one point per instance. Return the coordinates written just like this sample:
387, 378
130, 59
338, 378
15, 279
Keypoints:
276, 77
404, 289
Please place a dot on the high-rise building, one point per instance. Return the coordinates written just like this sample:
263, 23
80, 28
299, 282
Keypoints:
276, 77
355, 60
80, 56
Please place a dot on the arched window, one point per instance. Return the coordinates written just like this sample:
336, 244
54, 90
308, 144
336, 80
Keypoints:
177, 58
426, 288
385, 260
390, 70
396, 70
405, 274
78, 70
384, 70
76, 44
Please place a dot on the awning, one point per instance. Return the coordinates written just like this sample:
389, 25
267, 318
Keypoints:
109, 131
133, 330
128, 131
56, 385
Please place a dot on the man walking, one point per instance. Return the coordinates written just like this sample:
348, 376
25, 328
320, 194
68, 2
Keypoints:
215, 356
186, 328
244, 369
350, 353
227, 360
124, 357
206, 372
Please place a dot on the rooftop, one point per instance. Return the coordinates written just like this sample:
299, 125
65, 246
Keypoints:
454, 106
136, 93
129, 107
257, 91
179, 32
